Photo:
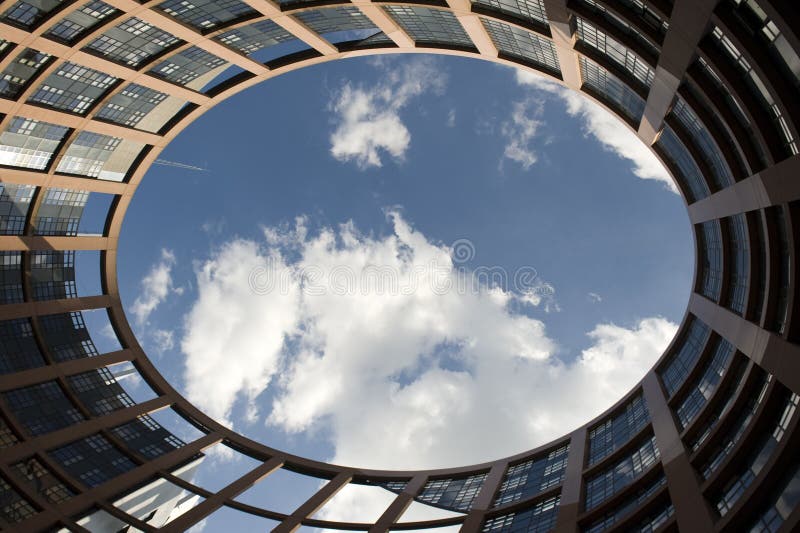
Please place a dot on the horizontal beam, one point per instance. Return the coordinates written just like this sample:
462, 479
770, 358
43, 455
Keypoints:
23, 243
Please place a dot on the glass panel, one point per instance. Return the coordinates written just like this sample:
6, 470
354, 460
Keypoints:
426, 25
529, 46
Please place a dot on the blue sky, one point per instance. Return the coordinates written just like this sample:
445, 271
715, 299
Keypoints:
389, 162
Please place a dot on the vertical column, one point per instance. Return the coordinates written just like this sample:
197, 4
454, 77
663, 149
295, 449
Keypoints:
687, 24
484, 499
691, 510
569, 506
560, 29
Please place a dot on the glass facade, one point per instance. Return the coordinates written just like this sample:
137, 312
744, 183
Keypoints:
29, 143
205, 15
28, 14
721, 172
615, 51
72, 88
616, 431
687, 171
77, 23
527, 10
15, 201
680, 363
430, 26
187, 66
709, 242
532, 477
456, 494
630, 503
22, 69
539, 518
132, 43
610, 89
757, 459
610, 481
701, 391
93, 460
255, 37
525, 45
739, 254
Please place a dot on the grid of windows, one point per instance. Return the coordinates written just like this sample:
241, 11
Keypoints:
93, 460
688, 172
146, 437
60, 212
529, 10
129, 106
680, 362
523, 44
252, 38
776, 215
727, 396
721, 172
615, 51
66, 336
728, 441
336, 19
706, 384
539, 518
42, 408
426, 25
15, 200
28, 14
99, 392
620, 25
532, 477
11, 277
204, 15
88, 153
132, 42
29, 143
757, 88
634, 501
709, 241
20, 71
610, 89
739, 251
187, 66
652, 521
646, 15
7, 437
43, 481
72, 88
617, 430
53, 274
13, 507
456, 494
757, 459
763, 27
785, 500
602, 486
18, 346
80, 21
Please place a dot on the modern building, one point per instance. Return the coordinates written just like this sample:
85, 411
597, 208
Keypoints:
91, 92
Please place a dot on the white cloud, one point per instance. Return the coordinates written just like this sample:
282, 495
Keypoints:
451, 118
156, 285
612, 133
519, 132
164, 340
402, 379
367, 119
594, 297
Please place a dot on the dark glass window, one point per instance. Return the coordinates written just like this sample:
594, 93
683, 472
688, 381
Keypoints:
129, 106
13, 507
143, 435
42, 481
53, 275
634, 501
539, 518
706, 384
739, 251
93, 460
15, 200
18, 346
617, 430
19, 72
187, 66
523, 44
682, 360
456, 494
611, 90
10, 277
426, 25
533, 476
688, 173
29, 14
42, 408
67, 337
132, 42
204, 15
615, 51
528, 10
709, 247
80, 21
605, 484
72, 88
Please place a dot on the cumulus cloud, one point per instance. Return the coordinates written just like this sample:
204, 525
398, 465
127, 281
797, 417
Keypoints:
164, 340
356, 333
606, 128
520, 130
367, 119
155, 287
594, 297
